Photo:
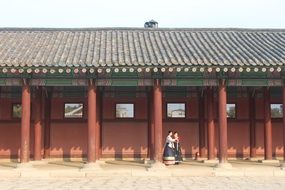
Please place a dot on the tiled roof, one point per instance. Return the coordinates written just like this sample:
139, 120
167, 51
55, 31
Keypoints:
134, 47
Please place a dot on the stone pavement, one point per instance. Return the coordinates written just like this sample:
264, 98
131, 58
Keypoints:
147, 183
64, 175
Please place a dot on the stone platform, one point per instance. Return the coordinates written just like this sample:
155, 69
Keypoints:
75, 169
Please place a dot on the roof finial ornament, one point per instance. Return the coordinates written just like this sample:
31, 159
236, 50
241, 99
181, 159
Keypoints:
151, 24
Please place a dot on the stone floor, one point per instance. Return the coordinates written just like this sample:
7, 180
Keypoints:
143, 183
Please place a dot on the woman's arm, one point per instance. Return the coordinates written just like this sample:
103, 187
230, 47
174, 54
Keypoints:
170, 139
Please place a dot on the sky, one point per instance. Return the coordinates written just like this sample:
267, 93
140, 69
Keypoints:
133, 13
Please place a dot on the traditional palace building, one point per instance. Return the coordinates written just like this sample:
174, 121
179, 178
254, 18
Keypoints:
116, 92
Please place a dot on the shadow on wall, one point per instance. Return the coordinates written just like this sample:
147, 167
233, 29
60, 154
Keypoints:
188, 134
121, 137
121, 152
68, 139
123, 140
10, 140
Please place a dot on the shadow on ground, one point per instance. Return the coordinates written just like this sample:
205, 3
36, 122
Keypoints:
134, 164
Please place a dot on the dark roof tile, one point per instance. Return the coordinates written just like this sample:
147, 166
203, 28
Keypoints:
109, 47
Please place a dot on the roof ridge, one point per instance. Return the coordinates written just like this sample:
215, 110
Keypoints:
146, 29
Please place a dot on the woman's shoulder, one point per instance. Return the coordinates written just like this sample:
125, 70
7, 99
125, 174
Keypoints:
168, 137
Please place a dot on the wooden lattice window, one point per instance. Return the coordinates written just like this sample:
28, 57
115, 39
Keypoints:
73, 110
176, 110
125, 110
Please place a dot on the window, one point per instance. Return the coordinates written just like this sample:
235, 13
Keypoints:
73, 110
16, 110
125, 111
231, 110
276, 110
176, 110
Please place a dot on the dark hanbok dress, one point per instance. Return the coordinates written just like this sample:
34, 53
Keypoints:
168, 153
177, 151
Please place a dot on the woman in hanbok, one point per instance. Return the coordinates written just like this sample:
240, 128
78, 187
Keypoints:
177, 149
168, 153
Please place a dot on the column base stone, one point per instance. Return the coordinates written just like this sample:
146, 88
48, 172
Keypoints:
25, 166
39, 162
93, 166
224, 165
282, 166
148, 161
101, 161
254, 159
156, 166
269, 161
201, 159
210, 161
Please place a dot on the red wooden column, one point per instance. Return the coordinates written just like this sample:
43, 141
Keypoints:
252, 135
38, 124
47, 123
92, 119
202, 144
157, 118
283, 102
223, 142
98, 139
25, 123
150, 127
210, 124
267, 126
